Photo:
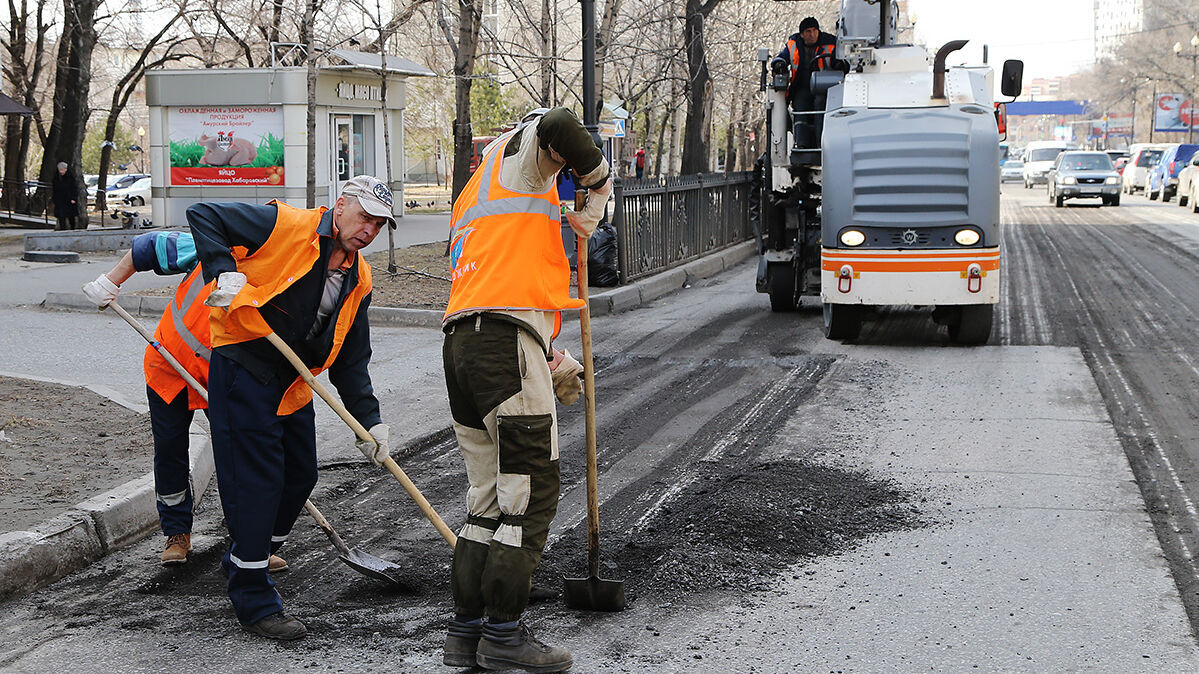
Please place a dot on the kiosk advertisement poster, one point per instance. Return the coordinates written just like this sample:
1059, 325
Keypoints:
1174, 112
227, 145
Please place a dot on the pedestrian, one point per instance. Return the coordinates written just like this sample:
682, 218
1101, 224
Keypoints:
65, 192
510, 282
639, 162
183, 332
298, 273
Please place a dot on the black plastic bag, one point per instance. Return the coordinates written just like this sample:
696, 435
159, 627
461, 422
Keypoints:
602, 270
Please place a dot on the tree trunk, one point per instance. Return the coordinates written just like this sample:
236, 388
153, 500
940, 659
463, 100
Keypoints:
661, 143
603, 39
469, 14
310, 122
547, 73
698, 90
72, 84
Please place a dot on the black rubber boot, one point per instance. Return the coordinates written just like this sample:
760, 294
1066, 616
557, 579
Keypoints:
461, 644
516, 647
278, 626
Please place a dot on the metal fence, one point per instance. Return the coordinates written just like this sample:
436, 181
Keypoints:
662, 223
19, 203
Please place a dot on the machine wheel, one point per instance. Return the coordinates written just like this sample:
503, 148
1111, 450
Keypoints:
781, 278
1058, 201
137, 201
842, 321
973, 325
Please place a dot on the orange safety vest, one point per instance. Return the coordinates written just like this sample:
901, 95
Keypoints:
507, 252
183, 332
823, 51
288, 254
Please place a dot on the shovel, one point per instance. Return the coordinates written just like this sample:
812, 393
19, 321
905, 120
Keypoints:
362, 562
591, 593
388, 462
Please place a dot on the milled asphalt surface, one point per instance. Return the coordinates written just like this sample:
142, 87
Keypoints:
1038, 553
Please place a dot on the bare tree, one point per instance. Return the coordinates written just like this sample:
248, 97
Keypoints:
465, 49
22, 70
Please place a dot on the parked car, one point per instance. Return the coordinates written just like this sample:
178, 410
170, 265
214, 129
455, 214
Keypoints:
1163, 179
1136, 172
112, 181
134, 193
1188, 183
1011, 169
1082, 175
1039, 156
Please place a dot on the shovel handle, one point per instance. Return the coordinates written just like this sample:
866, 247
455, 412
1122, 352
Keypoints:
364, 434
589, 416
327, 528
149, 337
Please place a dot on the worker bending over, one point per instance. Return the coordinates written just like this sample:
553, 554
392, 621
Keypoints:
298, 273
183, 332
510, 281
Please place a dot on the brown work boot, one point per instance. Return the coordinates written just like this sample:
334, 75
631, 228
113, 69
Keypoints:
278, 626
276, 564
461, 643
177, 548
517, 648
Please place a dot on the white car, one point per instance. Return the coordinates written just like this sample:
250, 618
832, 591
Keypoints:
136, 193
1011, 169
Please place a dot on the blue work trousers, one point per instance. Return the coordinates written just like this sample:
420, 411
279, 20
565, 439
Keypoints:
169, 423
265, 468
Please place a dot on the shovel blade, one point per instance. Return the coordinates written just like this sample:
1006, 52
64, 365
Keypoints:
594, 594
370, 565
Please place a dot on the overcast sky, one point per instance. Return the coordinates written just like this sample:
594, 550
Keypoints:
1052, 37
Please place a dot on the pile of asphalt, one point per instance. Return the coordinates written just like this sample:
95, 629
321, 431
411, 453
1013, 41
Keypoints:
735, 528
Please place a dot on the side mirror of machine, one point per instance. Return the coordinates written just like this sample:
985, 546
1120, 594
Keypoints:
1011, 82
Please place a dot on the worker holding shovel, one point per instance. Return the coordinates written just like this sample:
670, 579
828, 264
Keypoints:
297, 274
510, 281
183, 332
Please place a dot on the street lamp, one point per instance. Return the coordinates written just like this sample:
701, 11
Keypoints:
1194, 56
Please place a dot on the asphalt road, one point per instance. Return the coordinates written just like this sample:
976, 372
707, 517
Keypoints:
774, 501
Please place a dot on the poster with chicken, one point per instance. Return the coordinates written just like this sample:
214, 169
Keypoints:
226, 145
1174, 112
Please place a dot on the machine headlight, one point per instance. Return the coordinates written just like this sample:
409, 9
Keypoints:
853, 237
1068, 180
966, 237
1112, 180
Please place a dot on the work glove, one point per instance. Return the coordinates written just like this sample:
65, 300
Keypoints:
583, 222
102, 291
376, 451
565, 375
228, 284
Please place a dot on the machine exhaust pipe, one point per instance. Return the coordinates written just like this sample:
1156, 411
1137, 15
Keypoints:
939, 66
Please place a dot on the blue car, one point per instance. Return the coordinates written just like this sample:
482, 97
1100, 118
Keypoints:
1163, 178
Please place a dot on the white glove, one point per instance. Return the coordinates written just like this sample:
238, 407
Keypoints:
583, 222
376, 451
102, 291
567, 385
228, 284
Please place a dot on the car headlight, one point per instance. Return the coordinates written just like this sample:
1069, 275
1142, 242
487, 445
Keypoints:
966, 237
853, 237
1112, 180
1068, 180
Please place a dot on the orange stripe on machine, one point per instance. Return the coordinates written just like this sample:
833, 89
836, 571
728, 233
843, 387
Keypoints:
909, 262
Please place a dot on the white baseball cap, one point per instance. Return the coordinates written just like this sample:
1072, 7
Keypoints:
373, 194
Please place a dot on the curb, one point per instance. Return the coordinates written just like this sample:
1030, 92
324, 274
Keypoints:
92, 529
616, 300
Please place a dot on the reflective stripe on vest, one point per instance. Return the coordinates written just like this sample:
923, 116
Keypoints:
184, 332
506, 251
288, 254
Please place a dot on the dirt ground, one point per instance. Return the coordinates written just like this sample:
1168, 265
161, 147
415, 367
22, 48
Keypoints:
62, 445
421, 281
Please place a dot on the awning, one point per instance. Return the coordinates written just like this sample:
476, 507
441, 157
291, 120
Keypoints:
8, 106
395, 64
1059, 108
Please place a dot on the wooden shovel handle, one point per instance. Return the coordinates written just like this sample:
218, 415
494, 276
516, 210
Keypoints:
589, 416
363, 434
149, 337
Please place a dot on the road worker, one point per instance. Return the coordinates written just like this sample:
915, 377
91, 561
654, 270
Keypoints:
298, 273
510, 282
183, 332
